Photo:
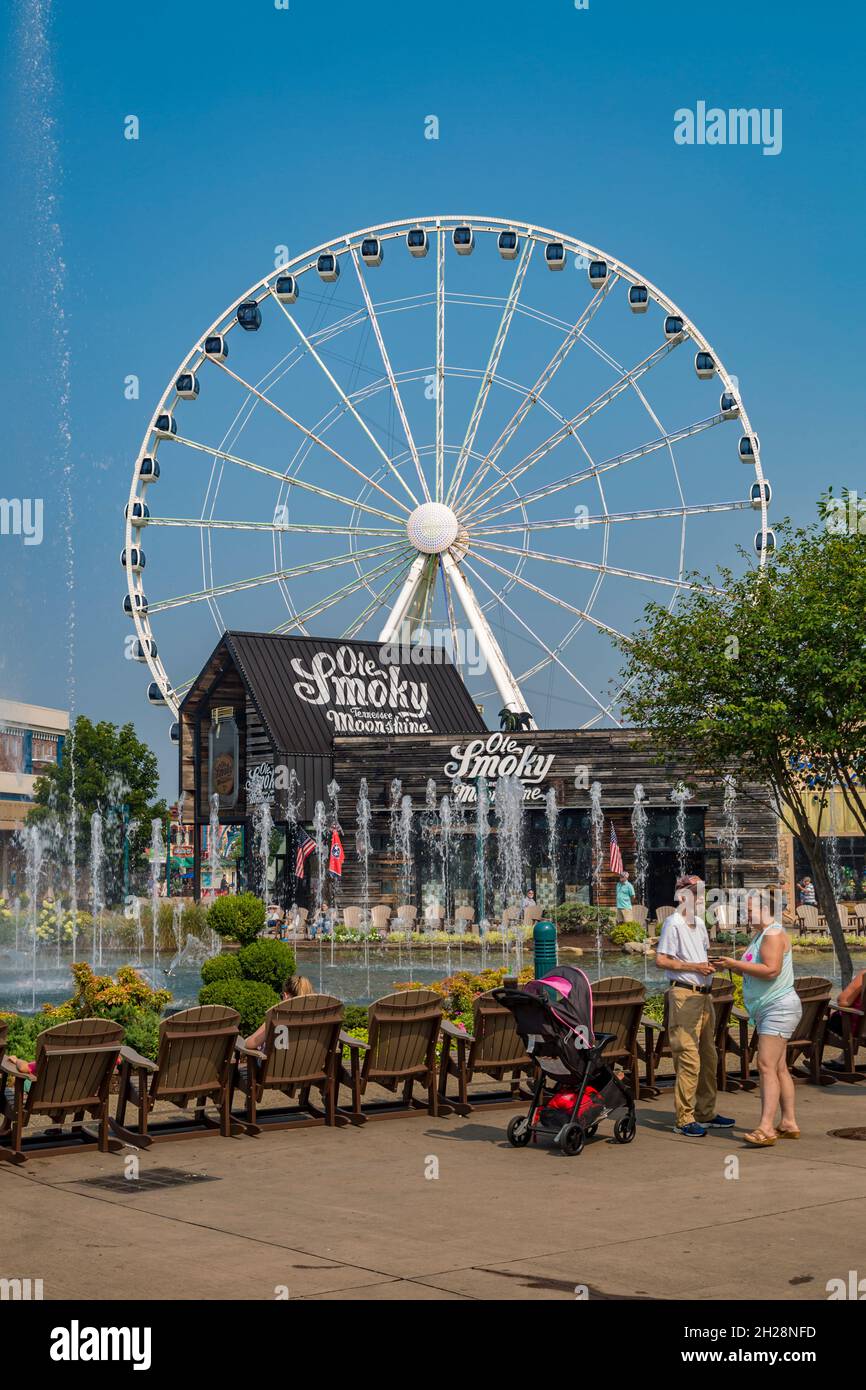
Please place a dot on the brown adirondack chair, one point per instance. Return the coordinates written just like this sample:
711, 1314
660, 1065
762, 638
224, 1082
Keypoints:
662, 912
807, 1040
808, 918
403, 1030
845, 1030
74, 1066
657, 1040
193, 1065
639, 914
301, 1050
493, 1048
617, 1008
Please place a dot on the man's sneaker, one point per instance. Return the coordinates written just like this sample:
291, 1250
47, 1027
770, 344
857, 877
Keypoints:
720, 1122
692, 1131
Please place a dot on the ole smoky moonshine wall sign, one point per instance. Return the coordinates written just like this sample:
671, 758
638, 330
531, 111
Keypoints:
362, 695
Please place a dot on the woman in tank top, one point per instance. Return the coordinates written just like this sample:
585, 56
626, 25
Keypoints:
774, 1008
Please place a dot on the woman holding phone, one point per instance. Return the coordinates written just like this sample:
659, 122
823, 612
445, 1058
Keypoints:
767, 968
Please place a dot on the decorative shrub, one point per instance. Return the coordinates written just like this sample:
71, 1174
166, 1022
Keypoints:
583, 917
654, 1007
251, 998
141, 1028
100, 996
354, 1017
240, 917
142, 1033
626, 931
225, 966
459, 991
360, 1033
270, 962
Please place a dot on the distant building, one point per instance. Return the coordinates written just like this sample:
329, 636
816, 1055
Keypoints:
845, 848
31, 740
285, 719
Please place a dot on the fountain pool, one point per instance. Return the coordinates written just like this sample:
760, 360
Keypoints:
350, 976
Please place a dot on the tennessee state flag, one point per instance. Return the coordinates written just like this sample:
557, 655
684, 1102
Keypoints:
335, 859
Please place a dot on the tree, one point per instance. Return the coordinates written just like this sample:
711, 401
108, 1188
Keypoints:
115, 774
765, 675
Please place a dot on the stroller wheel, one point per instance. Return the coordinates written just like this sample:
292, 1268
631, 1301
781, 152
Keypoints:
591, 1130
518, 1132
625, 1129
570, 1139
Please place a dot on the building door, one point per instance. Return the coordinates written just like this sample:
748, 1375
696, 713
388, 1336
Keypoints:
664, 870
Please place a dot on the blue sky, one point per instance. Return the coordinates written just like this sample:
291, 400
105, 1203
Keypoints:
261, 126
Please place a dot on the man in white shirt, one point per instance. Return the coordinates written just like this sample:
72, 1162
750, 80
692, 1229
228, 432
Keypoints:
682, 953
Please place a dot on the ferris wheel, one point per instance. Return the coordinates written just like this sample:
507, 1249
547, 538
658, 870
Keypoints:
418, 427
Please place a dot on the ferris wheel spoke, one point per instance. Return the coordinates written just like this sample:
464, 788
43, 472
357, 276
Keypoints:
284, 478
574, 334
452, 620
492, 368
440, 365
389, 372
239, 585
607, 518
337, 596
597, 568
207, 524
552, 654
641, 451
552, 598
570, 427
347, 401
379, 599
310, 434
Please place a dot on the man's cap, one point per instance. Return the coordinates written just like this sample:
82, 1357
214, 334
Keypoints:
689, 881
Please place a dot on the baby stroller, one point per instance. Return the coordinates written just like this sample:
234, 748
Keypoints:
576, 1089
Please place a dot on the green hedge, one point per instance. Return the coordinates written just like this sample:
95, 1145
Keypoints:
269, 962
140, 1030
251, 998
583, 917
626, 931
355, 1016
225, 966
238, 916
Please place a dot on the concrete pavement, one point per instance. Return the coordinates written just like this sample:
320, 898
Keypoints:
359, 1214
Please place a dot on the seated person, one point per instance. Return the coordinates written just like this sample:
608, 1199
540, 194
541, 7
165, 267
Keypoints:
26, 1068
850, 997
294, 988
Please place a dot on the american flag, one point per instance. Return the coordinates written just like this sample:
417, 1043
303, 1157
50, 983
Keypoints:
306, 845
615, 856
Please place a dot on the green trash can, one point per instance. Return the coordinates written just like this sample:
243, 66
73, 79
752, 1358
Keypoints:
544, 942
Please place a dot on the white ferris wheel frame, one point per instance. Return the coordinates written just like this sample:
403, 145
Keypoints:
487, 481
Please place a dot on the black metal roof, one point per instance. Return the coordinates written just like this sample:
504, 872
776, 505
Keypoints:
327, 670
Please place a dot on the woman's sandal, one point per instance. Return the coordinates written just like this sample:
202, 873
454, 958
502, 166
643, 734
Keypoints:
788, 1133
757, 1139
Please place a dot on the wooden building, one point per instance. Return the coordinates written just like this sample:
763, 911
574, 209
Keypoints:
296, 721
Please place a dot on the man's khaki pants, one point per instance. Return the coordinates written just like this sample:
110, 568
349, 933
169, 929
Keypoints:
691, 1029
624, 914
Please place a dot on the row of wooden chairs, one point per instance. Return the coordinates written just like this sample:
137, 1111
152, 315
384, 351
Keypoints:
201, 1061
851, 915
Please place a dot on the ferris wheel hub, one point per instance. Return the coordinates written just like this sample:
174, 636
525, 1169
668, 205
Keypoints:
432, 528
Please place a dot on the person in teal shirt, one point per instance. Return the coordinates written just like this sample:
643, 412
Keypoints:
624, 897
774, 1008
